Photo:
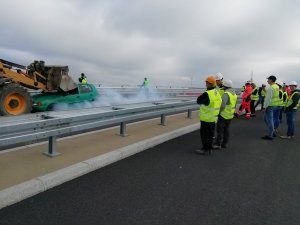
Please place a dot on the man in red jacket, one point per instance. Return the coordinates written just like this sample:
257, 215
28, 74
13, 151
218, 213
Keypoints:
246, 100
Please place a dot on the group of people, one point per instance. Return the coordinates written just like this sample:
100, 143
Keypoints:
218, 104
278, 100
217, 107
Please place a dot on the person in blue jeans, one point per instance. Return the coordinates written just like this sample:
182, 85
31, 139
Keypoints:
291, 109
270, 105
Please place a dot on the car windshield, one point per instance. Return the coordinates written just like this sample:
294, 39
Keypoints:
85, 88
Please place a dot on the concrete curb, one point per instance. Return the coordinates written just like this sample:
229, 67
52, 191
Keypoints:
37, 185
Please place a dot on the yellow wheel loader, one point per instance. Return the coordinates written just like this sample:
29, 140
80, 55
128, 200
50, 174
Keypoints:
15, 80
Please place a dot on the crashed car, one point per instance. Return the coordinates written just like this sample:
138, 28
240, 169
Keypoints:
49, 100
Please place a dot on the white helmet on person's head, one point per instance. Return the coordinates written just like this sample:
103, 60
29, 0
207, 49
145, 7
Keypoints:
280, 83
227, 83
292, 83
219, 76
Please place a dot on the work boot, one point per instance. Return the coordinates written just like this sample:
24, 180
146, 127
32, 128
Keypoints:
286, 137
223, 146
216, 147
203, 152
266, 137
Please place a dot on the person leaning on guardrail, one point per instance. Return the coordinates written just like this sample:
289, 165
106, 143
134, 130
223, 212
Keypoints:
229, 100
210, 102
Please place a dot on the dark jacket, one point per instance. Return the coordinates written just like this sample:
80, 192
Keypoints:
204, 99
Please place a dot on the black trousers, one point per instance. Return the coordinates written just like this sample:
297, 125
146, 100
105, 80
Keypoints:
207, 130
222, 131
252, 108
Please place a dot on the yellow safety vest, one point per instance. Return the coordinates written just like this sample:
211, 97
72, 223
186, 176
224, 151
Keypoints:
254, 97
221, 91
263, 92
290, 100
275, 101
84, 81
281, 99
209, 113
229, 110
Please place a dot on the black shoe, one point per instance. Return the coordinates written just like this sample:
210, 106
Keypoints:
216, 147
203, 152
266, 137
274, 135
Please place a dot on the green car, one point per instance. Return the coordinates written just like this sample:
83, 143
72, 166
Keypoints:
47, 101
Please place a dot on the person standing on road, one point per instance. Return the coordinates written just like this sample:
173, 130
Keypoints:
210, 102
246, 101
229, 100
219, 81
145, 83
262, 94
277, 112
291, 109
271, 103
254, 97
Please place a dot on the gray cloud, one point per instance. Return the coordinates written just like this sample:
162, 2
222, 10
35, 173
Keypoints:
171, 42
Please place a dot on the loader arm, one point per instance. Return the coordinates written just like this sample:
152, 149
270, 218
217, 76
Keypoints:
8, 70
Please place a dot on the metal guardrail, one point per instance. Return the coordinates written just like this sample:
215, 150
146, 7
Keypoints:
50, 126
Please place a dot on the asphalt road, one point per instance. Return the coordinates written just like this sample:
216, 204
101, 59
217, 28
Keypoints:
254, 181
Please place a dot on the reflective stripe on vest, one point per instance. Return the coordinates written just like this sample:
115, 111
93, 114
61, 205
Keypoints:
254, 97
275, 101
228, 112
210, 112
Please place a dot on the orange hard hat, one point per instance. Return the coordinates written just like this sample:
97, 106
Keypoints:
211, 80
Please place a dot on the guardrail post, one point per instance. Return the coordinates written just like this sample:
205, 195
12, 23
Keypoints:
189, 115
123, 129
163, 120
52, 147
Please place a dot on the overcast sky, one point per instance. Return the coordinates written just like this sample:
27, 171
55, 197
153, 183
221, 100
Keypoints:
171, 42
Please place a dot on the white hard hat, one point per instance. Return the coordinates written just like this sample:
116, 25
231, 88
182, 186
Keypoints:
219, 76
280, 83
292, 83
227, 83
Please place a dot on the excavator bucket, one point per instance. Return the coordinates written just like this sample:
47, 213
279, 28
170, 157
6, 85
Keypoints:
58, 79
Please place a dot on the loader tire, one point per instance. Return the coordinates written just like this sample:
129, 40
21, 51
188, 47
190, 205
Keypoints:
14, 100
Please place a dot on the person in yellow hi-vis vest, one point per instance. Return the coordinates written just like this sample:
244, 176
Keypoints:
291, 106
219, 81
272, 101
229, 100
82, 79
210, 102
